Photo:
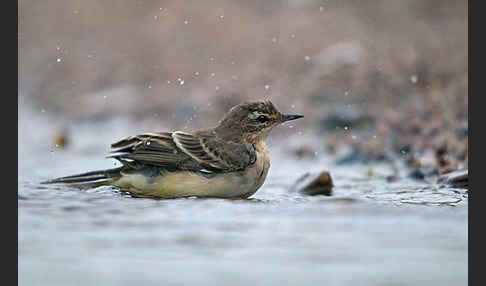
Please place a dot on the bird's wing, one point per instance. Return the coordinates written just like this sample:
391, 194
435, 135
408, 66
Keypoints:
161, 141
157, 149
214, 153
183, 151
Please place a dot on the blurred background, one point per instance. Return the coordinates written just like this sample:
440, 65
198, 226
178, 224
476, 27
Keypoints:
379, 67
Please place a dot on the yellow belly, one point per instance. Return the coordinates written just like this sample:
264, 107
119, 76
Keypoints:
185, 184
178, 184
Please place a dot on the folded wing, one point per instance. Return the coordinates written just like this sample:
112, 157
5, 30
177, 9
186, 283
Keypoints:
183, 151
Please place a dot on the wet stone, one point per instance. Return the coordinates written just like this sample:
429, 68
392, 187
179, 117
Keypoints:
314, 184
417, 174
392, 178
456, 179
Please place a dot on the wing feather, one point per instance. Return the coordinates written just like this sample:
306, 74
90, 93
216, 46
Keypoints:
184, 151
156, 149
214, 153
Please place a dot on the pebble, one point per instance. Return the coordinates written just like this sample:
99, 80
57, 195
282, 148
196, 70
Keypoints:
456, 179
417, 174
314, 184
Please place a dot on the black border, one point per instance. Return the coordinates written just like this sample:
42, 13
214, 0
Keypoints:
10, 94
471, 209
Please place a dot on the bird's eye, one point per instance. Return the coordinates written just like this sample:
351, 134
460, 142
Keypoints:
262, 119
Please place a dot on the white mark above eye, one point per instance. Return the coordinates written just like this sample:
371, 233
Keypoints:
253, 115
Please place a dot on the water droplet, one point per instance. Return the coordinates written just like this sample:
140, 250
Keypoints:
186, 22
292, 106
267, 87
346, 93
213, 74
59, 60
196, 73
58, 48
43, 110
168, 82
414, 78
181, 82
217, 87
156, 17
221, 17
104, 96
149, 86
346, 127
307, 58
321, 9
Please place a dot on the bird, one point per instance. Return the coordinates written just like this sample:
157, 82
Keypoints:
230, 160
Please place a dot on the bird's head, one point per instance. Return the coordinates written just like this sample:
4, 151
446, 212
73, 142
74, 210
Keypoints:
254, 120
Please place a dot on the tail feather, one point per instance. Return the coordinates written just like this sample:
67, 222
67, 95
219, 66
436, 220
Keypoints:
94, 178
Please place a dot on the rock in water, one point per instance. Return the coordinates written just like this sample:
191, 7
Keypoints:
456, 179
417, 174
314, 184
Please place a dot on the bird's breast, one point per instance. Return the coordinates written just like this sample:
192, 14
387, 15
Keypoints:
261, 166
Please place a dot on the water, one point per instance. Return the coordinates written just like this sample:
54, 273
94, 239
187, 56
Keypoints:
368, 233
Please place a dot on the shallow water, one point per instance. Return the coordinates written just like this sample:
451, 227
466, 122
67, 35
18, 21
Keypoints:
369, 232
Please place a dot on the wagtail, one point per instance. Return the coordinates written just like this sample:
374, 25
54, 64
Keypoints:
230, 160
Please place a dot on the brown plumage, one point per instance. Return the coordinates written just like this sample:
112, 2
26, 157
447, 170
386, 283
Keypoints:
229, 160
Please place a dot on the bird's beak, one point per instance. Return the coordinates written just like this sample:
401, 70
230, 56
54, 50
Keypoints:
288, 117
